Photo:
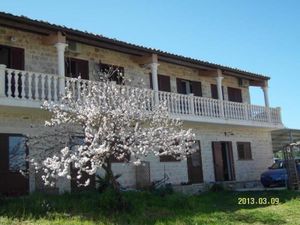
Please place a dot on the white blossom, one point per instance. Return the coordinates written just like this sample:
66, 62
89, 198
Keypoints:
114, 121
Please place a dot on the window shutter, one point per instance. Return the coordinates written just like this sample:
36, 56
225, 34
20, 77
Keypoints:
196, 88
17, 58
214, 91
234, 94
150, 81
164, 83
5, 56
179, 88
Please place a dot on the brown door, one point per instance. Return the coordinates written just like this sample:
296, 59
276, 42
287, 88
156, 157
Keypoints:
194, 164
231, 161
223, 161
234, 94
76, 68
218, 161
13, 152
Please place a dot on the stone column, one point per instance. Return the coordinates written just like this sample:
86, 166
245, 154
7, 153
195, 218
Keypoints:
219, 79
60, 47
154, 68
2, 80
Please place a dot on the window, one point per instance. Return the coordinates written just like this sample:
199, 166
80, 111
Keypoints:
12, 57
77, 67
244, 150
189, 87
13, 152
17, 153
114, 73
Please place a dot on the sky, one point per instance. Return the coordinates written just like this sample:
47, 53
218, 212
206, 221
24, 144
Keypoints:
257, 36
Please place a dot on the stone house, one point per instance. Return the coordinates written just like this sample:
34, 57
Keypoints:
38, 58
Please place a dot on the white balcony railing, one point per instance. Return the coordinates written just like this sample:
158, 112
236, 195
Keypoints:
30, 87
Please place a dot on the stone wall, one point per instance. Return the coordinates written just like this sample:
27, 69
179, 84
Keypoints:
40, 57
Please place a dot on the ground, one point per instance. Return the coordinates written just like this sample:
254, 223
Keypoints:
153, 209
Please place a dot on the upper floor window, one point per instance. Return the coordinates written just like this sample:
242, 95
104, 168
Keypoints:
12, 57
189, 87
112, 72
244, 150
77, 67
234, 94
163, 82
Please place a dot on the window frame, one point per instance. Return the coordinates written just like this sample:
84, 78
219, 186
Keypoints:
244, 143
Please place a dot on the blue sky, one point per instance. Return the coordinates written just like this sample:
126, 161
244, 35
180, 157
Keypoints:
257, 36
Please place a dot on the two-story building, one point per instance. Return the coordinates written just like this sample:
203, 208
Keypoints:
38, 58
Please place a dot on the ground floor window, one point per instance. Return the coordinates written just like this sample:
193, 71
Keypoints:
13, 152
244, 150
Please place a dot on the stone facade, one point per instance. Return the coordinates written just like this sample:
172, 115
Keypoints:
40, 57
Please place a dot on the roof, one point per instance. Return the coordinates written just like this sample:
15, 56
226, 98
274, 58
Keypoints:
283, 137
45, 28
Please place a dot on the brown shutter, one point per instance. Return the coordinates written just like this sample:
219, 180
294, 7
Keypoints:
247, 149
214, 91
234, 94
4, 153
178, 83
196, 88
231, 160
150, 81
164, 83
194, 164
17, 58
218, 161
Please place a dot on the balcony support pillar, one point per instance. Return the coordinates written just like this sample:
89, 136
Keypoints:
219, 79
60, 48
154, 69
265, 89
2, 80
266, 95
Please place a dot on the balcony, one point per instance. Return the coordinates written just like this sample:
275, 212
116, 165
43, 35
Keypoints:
31, 89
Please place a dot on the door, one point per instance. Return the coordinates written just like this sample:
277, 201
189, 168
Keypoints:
223, 161
194, 164
13, 152
218, 161
76, 68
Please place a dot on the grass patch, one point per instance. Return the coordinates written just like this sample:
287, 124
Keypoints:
146, 208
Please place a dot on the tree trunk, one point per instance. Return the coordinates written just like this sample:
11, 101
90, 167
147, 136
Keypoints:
115, 185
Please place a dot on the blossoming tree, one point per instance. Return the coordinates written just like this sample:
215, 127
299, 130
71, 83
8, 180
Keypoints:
114, 121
